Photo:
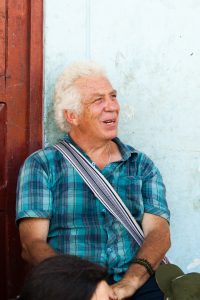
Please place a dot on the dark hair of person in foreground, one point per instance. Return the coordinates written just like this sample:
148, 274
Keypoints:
63, 277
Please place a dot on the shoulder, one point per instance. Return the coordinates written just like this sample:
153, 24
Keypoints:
43, 158
129, 151
125, 149
144, 164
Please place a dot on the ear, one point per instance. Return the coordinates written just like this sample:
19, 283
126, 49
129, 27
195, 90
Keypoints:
71, 117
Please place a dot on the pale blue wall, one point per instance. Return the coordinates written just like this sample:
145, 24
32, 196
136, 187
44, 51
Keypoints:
151, 50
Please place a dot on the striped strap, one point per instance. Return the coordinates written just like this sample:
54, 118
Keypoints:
102, 189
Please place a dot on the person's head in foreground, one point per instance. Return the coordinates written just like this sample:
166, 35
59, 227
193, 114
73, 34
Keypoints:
67, 277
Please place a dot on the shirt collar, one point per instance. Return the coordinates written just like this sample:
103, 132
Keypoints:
124, 149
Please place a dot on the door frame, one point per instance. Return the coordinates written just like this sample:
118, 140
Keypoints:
36, 75
24, 102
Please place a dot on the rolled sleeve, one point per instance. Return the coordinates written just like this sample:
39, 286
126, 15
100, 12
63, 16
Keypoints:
153, 191
34, 198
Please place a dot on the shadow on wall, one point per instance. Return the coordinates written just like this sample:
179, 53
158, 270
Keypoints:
51, 131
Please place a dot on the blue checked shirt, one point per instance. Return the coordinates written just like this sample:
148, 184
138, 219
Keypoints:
49, 187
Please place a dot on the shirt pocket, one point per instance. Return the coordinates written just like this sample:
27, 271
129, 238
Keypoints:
129, 189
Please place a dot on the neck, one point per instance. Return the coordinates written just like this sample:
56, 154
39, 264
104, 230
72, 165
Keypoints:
89, 144
99, 151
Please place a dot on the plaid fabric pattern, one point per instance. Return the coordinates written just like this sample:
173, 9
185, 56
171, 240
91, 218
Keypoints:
49, 187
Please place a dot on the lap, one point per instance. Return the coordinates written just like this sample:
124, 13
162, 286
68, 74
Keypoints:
149, 291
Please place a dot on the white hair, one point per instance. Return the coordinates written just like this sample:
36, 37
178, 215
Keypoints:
67, 95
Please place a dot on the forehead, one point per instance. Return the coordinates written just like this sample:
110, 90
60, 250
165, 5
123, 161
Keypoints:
89, 86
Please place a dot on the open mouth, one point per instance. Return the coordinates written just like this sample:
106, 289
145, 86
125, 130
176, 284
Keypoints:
111, 121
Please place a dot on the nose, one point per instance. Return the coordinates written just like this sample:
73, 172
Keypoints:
111, 104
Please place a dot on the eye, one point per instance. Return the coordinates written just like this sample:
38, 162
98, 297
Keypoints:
114, 96
99, 99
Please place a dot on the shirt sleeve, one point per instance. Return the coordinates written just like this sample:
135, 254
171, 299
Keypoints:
34, 198
153, 189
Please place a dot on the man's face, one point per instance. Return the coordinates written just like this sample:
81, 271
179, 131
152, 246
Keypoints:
100, 108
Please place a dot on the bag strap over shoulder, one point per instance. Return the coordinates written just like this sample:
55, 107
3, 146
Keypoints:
102, 189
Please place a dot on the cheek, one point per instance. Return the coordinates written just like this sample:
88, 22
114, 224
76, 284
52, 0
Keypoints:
117, 106
88, 117
95, 113
98, 106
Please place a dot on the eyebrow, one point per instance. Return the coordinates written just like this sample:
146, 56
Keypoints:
99, 94
113, 91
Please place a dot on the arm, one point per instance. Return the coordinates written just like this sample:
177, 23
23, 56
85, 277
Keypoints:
33, 236
155, 245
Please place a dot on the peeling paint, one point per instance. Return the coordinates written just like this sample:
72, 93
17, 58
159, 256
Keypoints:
127, 112
51, 129
194, 264
196, 204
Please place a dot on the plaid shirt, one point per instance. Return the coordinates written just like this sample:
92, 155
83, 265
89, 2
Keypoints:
49, 187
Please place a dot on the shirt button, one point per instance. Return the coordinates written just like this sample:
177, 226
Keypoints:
109, 250
103, 210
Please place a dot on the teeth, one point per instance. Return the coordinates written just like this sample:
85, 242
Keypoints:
109, 121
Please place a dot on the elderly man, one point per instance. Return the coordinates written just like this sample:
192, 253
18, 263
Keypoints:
57, 212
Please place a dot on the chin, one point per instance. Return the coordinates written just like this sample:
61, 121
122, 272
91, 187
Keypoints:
111, 136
